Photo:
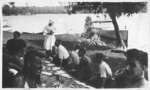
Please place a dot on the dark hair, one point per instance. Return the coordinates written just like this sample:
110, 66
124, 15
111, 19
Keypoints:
77, 46
16, 33
139, 55
83, 50
99, 57
58, 42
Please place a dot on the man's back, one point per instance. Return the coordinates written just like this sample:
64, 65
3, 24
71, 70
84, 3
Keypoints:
62, 52
15, 45
104, 70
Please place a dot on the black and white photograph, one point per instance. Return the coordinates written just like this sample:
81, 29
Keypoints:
75, 44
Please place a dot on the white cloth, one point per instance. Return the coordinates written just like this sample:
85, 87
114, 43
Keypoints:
104, 70
62, 52
49, 41
47, 29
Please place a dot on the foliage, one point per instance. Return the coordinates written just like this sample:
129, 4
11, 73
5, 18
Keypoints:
116, 7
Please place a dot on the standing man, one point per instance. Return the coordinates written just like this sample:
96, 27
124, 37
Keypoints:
50, 39
12, 59
16, 45
16, 49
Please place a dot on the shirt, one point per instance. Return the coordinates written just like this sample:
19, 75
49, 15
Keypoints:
15, 45
75, 57
104, 70
62, 52
47, 29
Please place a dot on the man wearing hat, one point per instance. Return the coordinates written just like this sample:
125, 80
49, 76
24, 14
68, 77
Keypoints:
50, 39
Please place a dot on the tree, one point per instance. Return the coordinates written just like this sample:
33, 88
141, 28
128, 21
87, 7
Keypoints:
13, 8
6, 10
12, 4
114, 9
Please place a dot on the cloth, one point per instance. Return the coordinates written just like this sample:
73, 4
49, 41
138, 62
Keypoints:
49, 42
15, 45
104, 70
48, 29
62, 52
50, 38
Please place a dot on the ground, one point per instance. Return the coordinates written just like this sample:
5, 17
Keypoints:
115, 60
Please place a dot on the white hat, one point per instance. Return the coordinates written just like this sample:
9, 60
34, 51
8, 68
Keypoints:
50, 21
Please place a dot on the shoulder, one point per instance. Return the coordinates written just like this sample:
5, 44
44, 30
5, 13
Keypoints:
87, 58
61, 47
104, 64
21, 41
10, 40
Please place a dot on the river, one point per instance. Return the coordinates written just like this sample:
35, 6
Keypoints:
64, 23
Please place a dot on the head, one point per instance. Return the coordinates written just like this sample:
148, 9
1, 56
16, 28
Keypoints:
32, 63
58, 42
137, 61
50, 23
82, 52
16, 35
77, 47
99, 57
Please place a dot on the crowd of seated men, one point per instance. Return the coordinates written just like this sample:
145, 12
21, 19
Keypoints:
22, 64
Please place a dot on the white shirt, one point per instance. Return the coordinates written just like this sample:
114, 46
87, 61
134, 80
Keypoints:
104, 70
62, 52
75, 57
47, 29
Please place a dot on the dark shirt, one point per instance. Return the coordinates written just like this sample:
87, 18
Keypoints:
15, 45
84, 68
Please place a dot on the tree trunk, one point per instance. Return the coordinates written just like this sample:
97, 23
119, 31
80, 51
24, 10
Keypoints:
116, 27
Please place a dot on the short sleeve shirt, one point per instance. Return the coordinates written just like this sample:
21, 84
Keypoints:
104, 70
75, 57
62, 52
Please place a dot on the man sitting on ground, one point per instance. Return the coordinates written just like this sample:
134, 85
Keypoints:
84, 70
104, 70
62, 54
74, 57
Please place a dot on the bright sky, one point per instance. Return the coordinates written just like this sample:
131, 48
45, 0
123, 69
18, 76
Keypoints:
54, 2
35, 2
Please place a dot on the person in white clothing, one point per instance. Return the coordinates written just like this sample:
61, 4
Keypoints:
104, 70
62, 53
50, 39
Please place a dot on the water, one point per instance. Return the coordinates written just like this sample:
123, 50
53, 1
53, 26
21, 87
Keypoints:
137, 25
64, 23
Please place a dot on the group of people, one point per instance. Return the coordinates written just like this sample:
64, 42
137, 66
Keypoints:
22, 64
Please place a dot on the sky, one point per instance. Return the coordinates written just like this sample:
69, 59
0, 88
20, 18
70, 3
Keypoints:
54, 2
35, 2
